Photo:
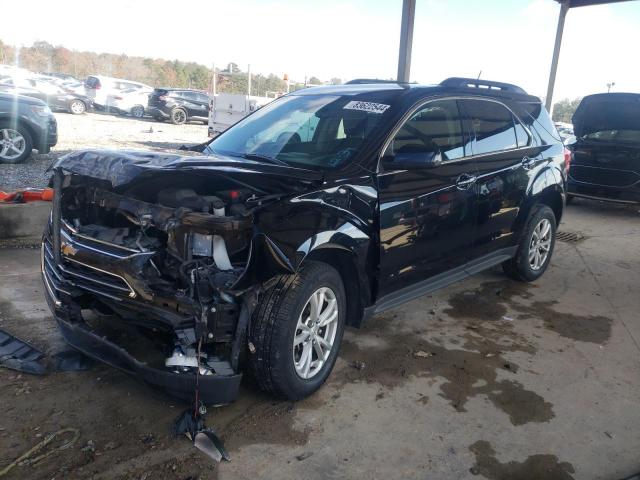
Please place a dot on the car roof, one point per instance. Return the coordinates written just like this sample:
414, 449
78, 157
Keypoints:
10, 97
173, 89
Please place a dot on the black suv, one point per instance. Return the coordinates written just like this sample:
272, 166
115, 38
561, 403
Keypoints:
178, 105
606, 163
323, 208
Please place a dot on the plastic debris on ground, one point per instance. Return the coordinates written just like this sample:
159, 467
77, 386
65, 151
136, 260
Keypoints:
18, 355
191, 424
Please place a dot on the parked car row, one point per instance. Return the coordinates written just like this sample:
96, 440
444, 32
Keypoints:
52, 93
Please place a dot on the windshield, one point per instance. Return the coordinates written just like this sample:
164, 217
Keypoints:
307, 131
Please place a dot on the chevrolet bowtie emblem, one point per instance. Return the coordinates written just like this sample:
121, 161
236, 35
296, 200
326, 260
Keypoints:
68, 249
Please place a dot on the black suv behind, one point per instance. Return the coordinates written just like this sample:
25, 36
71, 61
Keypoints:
606, 163
323, 208
179, 105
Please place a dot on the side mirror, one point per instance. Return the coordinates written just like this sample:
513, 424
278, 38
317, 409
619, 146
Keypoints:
413, 160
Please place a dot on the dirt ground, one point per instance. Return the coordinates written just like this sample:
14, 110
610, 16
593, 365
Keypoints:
488, 379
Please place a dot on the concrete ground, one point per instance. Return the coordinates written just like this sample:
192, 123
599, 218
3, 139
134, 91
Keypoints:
486, 379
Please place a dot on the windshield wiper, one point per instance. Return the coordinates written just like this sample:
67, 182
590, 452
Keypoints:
258, 157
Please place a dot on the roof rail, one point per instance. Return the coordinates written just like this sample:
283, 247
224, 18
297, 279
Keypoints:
460, 82
364, 81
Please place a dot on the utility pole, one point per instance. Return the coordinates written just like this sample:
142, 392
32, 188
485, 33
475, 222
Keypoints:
213, 79
406, 40
249, 79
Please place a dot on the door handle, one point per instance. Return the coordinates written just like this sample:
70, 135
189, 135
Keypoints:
465, 181
528, 163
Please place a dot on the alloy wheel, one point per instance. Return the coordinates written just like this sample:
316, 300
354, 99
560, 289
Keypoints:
315, 333
12, 144
77, 107
179, 116
540, 244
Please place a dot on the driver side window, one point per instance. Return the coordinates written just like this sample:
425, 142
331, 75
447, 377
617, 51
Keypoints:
434, 129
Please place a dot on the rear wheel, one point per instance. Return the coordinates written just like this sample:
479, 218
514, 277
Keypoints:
16, 143
137, 111
178, 116
536, 247
77, 107
297, 331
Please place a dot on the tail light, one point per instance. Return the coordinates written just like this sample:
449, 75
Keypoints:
568, 154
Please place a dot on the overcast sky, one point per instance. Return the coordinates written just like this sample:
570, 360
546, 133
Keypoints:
509, 41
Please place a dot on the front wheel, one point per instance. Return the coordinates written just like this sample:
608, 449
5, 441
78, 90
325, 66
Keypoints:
77, 107
137, 111
297, 330
16, 143
536, 247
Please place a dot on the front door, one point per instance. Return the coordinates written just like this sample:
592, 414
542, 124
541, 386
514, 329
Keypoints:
427, 198
505, 160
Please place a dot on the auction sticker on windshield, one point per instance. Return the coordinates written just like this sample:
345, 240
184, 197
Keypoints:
366, 106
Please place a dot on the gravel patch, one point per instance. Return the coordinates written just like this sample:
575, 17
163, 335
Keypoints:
95, 130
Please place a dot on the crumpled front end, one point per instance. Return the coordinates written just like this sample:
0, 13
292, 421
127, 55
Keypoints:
159, 277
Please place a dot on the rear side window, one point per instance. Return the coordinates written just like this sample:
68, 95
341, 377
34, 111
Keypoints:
539, 121
492, 127
521, 134
92, 82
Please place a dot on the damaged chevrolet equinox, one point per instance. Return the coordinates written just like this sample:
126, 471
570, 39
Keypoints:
325, 207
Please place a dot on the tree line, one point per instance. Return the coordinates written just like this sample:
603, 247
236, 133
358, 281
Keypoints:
564, 109
45, 57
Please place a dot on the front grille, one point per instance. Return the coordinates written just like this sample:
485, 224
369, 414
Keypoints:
605, 177
83, 276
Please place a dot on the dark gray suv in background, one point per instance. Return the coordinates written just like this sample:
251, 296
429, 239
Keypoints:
25, 124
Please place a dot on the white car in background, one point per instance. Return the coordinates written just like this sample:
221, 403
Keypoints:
131, 101
98, 88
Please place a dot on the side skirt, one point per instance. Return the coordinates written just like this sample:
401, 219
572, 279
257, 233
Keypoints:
439, 281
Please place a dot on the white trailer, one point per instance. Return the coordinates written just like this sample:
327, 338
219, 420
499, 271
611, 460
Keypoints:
229, 108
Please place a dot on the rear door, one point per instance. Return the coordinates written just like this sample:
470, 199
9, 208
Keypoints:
197, 104
505, 161
427, 212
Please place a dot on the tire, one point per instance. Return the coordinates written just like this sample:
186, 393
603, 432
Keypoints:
178, 116
137, 111
522, 267
570, 199
77, 107
16, 143
274, 327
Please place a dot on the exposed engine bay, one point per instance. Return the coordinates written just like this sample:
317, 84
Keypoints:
171, 258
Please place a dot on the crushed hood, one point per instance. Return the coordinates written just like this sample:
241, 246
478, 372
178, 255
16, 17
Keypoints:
607, 111
122, 167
